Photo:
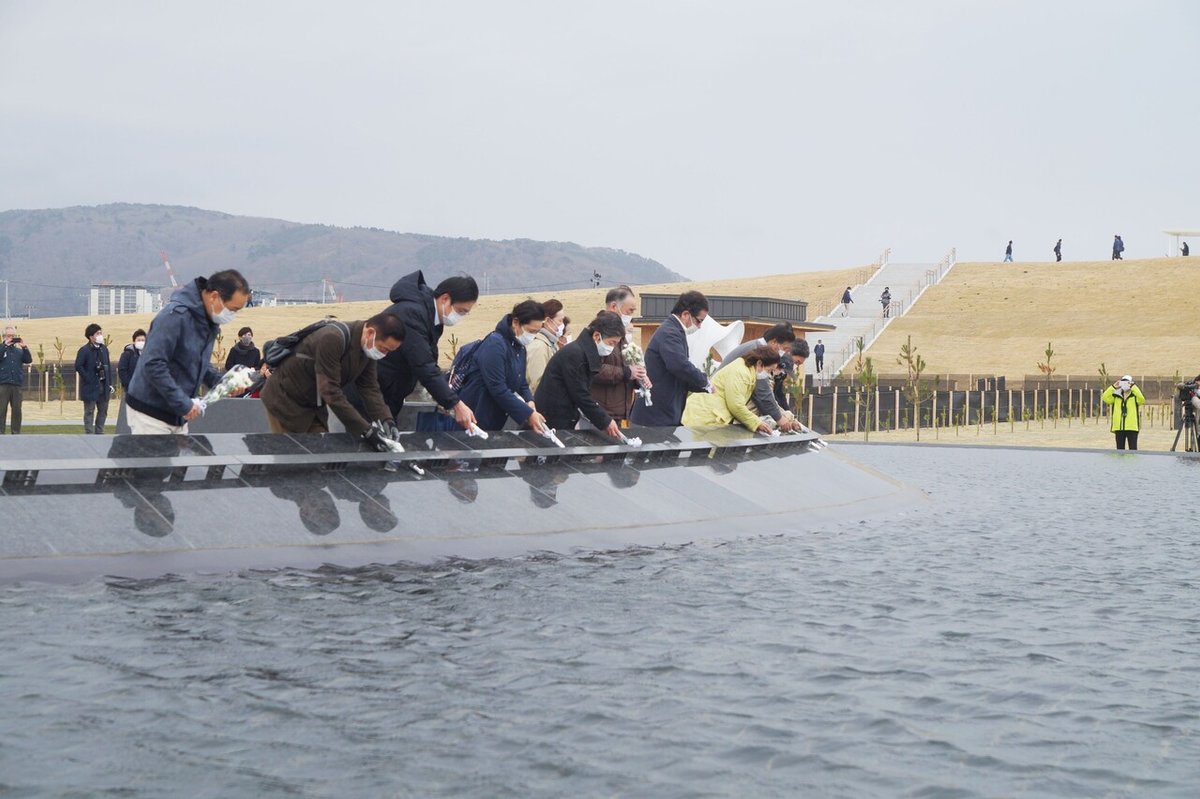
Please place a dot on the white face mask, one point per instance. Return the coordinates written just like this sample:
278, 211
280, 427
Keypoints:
604, 349
691, 330
626, 319
526, 338
225, 316
137, 345
98, 338
373, 353
1125, 384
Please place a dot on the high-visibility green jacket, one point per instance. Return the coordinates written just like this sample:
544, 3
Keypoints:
1124, 407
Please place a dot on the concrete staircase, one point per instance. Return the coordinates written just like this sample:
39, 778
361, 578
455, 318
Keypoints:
864, 317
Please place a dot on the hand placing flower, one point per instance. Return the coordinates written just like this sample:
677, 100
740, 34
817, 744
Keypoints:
235, 382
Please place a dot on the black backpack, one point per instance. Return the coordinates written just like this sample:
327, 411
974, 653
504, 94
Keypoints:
464, 366
278, 350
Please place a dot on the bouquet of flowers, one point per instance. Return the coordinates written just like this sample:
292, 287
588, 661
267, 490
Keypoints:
236, 380
635, 357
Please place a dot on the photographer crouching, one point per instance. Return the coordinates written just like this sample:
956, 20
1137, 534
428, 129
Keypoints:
1126, 400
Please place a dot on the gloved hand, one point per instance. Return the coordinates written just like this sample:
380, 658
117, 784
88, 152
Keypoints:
374, 437
391, 430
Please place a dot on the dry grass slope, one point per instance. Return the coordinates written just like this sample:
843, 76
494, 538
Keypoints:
995, 318
1134, 316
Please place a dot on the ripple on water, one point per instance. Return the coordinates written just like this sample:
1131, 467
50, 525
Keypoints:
1007, 639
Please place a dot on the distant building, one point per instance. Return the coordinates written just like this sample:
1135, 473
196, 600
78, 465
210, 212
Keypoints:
107, 299
262, 299
296, 301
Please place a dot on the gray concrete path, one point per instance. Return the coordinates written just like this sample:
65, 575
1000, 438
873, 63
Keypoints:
865, 316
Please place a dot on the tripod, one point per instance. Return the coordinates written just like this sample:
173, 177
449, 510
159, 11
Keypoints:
1187, 427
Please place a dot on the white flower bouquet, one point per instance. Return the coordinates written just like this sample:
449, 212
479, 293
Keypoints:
235, 381
635, 357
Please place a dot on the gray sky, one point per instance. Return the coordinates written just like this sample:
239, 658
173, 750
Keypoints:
720, 138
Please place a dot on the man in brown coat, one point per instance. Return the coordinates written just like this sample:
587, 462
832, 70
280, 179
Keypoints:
303, 388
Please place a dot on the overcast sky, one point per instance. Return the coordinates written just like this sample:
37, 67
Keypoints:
720, 138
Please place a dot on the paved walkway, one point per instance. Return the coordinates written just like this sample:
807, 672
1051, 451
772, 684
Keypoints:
864, 317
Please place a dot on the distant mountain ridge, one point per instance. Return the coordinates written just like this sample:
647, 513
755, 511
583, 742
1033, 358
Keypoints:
53, 256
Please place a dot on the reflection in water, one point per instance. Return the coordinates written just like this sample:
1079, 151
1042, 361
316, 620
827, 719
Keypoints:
142, 489
544, 480
366, 489
300, 484
464, 488
624, 476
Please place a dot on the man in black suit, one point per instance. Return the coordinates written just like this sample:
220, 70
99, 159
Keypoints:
667, 364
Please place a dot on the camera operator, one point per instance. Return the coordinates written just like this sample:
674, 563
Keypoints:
1126, 400
14, 355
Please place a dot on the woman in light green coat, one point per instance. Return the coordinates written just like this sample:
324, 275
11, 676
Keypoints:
733, 387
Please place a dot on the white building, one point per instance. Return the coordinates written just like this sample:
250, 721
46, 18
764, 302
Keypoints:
106, 299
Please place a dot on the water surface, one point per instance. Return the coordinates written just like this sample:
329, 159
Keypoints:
1032, 631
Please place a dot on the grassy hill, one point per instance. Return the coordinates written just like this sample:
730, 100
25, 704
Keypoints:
53, 256
996, 318
984, 318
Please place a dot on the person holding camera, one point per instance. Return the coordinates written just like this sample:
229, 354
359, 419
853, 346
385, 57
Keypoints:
14, 355
1126, 399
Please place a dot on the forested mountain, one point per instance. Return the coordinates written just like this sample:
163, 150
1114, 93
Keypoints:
51, 257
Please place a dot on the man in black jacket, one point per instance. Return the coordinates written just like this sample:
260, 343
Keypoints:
673, 375
425, 313
129, 359
566, 387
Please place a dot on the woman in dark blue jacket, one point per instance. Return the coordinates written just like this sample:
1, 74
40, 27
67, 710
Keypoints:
495, 387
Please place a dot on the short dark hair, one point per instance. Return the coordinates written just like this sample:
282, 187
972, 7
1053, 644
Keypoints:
386, 325
691, 301
616, 295
244, 331
226, 283
607, 324
552, 307
800, 348
780, 332
766, 355
91, 330
461, 288
136, 333
527, 311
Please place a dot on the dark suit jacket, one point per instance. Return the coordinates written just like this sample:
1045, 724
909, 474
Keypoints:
672, 375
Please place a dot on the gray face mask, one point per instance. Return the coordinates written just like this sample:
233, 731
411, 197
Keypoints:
604, 349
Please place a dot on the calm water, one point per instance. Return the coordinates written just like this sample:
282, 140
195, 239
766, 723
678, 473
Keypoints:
1031, 632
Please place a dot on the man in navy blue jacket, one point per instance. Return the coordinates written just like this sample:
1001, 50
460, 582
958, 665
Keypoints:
667, 364
177, 359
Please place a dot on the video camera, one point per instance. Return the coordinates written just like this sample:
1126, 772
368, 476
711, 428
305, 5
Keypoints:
1188, 399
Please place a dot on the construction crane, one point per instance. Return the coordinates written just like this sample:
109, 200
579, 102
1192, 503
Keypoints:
170, 271
327, 290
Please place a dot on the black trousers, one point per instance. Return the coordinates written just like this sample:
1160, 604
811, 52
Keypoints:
1124, 436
